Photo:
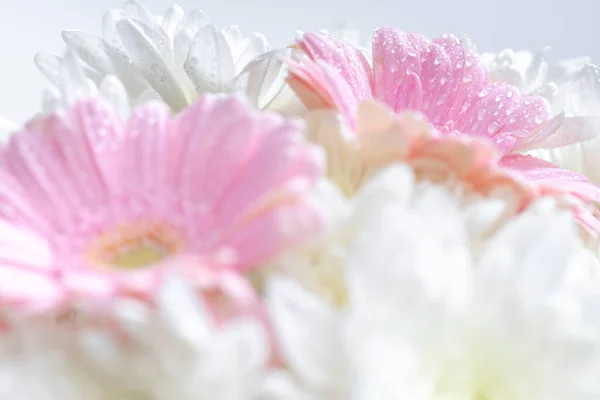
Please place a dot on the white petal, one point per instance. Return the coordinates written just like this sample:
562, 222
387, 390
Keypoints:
90, 48
50, 65
151, 64
572, 130
183, 312
538, 69
159, 40
112, 89
234, 38
74, 83
146, 96
171, 19
257, 45
109, 28
134, 9
115, 49
263, 78
539, 247
244, 346
185, 34
308, 332
395, 183
210, 63
127, 72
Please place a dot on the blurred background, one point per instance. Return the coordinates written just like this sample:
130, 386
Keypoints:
570, 27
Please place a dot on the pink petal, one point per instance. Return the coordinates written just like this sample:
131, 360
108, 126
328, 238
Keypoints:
146, 150
318, 86
395, 59
348, 61
274, 230
551, 177
235, 159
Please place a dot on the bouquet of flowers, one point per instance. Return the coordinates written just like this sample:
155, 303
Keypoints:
194, 215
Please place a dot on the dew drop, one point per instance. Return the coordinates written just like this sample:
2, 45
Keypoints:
442, 99
493, 127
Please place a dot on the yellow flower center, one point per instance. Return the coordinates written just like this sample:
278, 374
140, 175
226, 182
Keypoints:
139, 256
134, 246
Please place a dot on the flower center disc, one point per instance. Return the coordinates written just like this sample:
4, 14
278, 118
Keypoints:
139, 256
135, 246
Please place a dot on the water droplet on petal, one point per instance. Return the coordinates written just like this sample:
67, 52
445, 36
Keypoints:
493, 127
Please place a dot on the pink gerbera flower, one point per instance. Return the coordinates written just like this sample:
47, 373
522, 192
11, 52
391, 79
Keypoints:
446, 82
104, 208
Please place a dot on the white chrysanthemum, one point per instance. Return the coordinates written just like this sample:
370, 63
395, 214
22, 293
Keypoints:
530, 72
172, 352
425, 320
320, 266
177, 56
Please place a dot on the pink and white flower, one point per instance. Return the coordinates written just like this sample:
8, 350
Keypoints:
446, 82
114, 206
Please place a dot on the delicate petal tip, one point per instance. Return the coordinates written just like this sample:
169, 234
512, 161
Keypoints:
551, 180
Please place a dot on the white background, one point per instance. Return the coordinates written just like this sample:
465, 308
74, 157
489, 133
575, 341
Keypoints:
570, 27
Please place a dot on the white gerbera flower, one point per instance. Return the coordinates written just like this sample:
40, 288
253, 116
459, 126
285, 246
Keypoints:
425, 320
178, 56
